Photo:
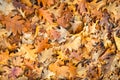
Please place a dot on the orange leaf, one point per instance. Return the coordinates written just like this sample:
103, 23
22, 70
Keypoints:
63, 70
29, 64
13, 24
46, 15
27, 2
65, 19
42, 45
46, 3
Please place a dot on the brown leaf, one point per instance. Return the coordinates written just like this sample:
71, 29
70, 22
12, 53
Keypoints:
13, 24
29, 64
27, 2
82, 8
45, 14
23, 8
54, 34
58, 68
117, 41
94, 72
65, 19
27, 26
42, 45
46, 3
18, 4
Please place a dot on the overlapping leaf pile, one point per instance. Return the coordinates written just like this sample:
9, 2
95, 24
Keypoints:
59, 39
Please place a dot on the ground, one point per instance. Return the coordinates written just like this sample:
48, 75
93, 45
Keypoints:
59, 39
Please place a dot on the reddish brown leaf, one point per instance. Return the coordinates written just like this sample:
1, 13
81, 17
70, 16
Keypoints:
13, 24
82, 6
65, 18
54, 34
43, 45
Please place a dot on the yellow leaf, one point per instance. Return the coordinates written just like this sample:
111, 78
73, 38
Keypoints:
4, 56
117, 41
29, 52
27, 2
63, 70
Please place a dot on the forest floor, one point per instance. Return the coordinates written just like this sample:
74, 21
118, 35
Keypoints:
59, 39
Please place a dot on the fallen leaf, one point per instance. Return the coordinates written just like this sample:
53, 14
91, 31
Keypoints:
4, 56
13, 24
45, 14
42, 45
65, 19
117, 41
58, 68
27, 2
30, 53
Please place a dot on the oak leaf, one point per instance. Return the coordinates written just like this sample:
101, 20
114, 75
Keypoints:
58, 68
54, 34
27, 2
82, 7
4, 56
15, 72
115, 10
23, 9
45, 14
28, 64
29, 52
46, 3
13, 24
65, 18
42, 45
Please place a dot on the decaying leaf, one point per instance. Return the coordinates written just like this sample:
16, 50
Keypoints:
46, 54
